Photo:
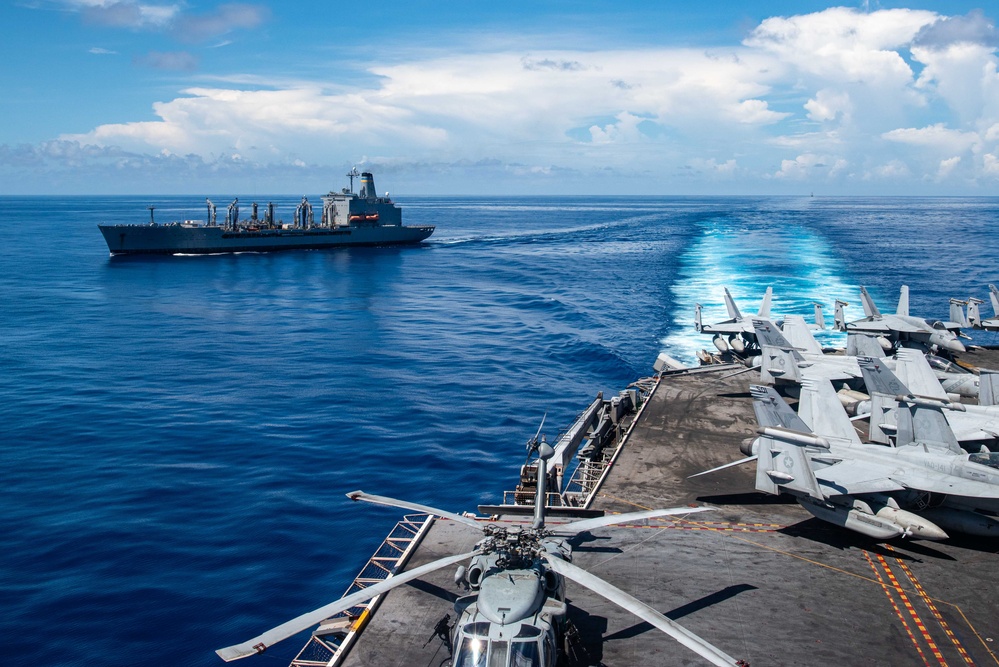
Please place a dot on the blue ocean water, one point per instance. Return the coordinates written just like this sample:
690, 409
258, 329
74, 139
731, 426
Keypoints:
178, 433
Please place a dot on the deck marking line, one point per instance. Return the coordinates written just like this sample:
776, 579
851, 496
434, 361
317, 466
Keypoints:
933, 609
903, 595
898, 612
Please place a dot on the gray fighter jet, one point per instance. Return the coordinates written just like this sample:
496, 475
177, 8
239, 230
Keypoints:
916, 489
735, 333
972, 425
975, 316
783, 360
901, 327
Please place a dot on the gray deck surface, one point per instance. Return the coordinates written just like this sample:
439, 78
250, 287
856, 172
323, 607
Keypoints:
758, 577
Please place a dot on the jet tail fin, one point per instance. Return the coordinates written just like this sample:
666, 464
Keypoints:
820, 320
884, 387
765, 306
988, 387
782, 462
920, 422
974, 313
903, 302
878, 377
915, 372
820, 408
733, 310
862, 345
772, 410
994, 297
957, 312
768, 334
870, 310
698, 325
799, 335
839, 319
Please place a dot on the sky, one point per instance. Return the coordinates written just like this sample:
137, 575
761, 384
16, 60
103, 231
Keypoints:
632, 97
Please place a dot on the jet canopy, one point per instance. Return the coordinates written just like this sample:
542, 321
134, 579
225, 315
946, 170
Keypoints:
990, 459
484, 644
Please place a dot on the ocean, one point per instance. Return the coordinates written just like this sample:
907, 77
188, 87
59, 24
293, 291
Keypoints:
178, 433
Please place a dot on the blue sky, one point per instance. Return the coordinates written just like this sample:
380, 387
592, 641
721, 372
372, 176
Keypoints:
627, 97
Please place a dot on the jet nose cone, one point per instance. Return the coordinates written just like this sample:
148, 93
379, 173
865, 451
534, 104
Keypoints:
956, 346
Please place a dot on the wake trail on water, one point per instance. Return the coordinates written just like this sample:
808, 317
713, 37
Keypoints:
798, 262
536, 235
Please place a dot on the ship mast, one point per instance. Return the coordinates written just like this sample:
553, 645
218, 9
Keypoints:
352, 174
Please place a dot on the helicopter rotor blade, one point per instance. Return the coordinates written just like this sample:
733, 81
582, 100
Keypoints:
289, 628
702, 647
583, 525
534, 440
392, 502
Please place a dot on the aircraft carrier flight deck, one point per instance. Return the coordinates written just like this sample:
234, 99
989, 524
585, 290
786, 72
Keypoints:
758, 576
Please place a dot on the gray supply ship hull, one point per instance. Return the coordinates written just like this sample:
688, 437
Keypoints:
187, 239
347, 219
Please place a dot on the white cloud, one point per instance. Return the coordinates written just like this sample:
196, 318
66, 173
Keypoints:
828, 104
947, 167
844, 45
827, 96
809, 166
934, 136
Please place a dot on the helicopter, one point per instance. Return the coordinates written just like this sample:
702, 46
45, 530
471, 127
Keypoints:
515, 611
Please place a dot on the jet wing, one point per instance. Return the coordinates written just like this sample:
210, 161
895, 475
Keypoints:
852, 477
829, 369
727, 327
872, 326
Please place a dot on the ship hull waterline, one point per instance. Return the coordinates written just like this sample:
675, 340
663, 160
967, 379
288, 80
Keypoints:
204, 240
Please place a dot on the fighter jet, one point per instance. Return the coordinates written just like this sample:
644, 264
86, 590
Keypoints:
975, 316
735, 333
900, 327
784, 360
972, 424
910, 490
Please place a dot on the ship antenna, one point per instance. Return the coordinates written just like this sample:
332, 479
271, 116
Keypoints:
352, 174
151, 208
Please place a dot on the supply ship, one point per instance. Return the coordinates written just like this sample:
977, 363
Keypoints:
346, 219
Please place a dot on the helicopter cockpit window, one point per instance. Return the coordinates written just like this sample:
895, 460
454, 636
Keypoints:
472, 652
497, 654
990, 459
525, 654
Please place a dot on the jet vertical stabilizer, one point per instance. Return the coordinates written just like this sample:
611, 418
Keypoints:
839, 319
914, 372
782, 462
922, 423
957, 315
733, 310
870, 310
883, 387
820, 319
903, 302
974, 313
994, 297
765, 305
820, 409
988, 387
799, 335
864, 345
